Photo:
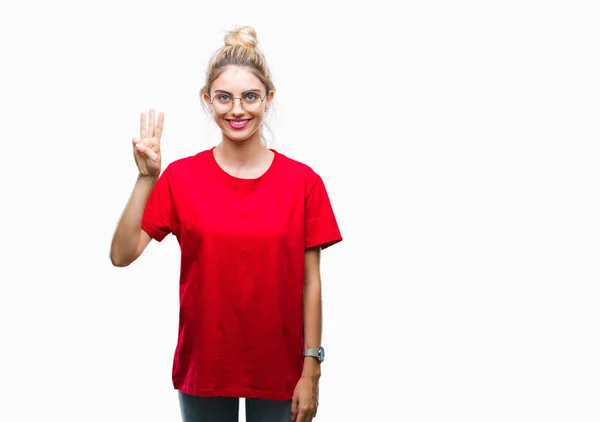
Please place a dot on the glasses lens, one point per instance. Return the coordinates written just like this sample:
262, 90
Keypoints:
222, 103
251, 101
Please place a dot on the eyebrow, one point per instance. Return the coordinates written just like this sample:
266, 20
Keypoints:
245, 92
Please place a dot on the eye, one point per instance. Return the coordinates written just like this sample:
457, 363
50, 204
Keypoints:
251, 96
223, 97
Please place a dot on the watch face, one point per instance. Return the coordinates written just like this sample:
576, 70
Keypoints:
321, 354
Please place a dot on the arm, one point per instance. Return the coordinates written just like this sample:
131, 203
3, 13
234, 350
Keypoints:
312, 310
306, 394
129, 240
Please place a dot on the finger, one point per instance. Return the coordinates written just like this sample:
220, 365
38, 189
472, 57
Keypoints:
143, 126
150, 143
151, 124
135, 141
294, 409
159, 126
300, 417
147, 152
309, 416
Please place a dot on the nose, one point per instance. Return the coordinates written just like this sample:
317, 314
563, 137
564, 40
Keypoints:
236, 108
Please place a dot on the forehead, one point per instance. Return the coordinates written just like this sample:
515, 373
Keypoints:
237, 79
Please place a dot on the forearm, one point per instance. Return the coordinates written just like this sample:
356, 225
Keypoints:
127, 235
312, 324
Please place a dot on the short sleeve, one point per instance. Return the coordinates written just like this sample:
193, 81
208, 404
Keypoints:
321, 228
157, 220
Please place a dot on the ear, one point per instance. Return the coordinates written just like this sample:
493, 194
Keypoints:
206, 99
270, 96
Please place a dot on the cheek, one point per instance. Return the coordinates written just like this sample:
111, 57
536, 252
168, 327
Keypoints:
258, 117
220, 121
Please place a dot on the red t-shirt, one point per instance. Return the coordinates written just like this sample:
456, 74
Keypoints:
242, 271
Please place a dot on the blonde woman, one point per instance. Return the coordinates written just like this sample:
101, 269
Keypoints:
251, 223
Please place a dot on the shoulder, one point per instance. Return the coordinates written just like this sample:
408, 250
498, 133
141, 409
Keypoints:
299, 170
182, 167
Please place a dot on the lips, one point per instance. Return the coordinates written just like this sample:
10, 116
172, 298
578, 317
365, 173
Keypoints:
238, 123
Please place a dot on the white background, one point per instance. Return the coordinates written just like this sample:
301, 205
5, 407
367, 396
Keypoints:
459, 145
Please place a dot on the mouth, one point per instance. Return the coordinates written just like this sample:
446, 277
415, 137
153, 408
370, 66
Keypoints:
238, 123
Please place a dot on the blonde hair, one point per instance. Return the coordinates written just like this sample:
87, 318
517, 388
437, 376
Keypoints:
240, 49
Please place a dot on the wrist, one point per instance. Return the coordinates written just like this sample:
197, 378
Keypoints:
312, 367
147, 178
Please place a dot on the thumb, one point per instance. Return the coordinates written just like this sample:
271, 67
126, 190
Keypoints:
147, 151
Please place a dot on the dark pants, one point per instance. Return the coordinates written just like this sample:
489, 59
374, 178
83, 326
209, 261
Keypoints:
226, 409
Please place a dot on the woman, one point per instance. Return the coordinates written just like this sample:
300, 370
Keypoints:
251, 223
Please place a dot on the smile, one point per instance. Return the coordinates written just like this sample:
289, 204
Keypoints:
238, 124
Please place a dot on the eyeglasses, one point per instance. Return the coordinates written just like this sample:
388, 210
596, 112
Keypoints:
250, 101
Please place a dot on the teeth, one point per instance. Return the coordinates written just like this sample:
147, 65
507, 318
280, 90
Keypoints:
238, 123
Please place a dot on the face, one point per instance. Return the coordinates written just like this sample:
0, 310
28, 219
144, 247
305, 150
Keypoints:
241, 120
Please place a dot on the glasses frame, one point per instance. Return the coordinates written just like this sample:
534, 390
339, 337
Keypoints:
241, 102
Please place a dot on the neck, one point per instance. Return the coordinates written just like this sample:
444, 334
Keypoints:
241, 152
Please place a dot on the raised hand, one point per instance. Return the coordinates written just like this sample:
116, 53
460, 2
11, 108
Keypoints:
146, 148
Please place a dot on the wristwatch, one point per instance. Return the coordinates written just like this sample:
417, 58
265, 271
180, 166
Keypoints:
317, 352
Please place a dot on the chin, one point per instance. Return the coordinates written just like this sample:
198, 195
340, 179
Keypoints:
238, 136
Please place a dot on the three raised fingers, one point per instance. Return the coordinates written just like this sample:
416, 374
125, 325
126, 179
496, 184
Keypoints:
152, 129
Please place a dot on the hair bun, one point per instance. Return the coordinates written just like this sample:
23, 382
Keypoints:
244, 36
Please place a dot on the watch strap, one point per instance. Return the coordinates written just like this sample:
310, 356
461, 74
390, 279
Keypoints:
313, 351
